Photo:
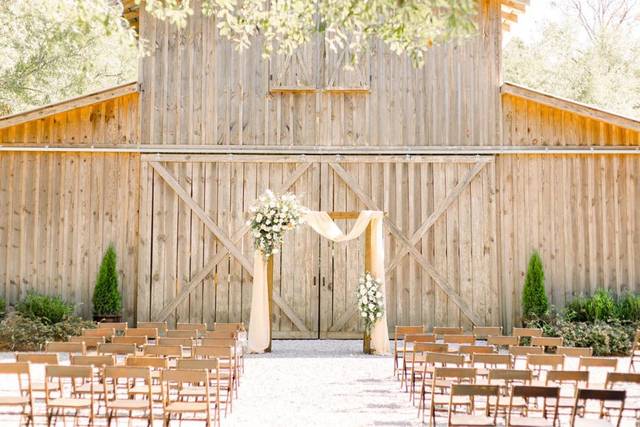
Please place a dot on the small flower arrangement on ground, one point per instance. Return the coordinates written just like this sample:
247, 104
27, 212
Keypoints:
370, 301
271, 217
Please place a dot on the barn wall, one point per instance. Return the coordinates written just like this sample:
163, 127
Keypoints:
197, 89
111, 122
58, 213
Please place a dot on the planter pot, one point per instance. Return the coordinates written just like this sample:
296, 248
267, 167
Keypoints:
366, 343
112, 318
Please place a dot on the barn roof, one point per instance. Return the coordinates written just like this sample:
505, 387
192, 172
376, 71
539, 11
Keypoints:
68, 104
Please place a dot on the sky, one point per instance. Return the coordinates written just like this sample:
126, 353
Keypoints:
530, 23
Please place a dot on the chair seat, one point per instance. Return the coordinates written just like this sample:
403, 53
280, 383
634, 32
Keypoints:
86, 388
442, 399
143, 389
531, 422
518, 402
198, 391
592, 422
128, 404
187, 407
68, 402
14, 401
472, 420
40, 386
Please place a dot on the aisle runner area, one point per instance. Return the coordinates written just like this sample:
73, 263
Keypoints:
320, 383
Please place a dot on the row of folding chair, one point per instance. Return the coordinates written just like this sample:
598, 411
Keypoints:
162, 328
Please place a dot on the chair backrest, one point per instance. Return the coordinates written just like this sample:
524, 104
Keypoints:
39, 358
486, 331
65, 347
163, 350
229, 326
459, 374
99, 332
148, 361
57, 373
472, 391
118, 326
526, 332
477, 349
445, 359
459, 339
413, 338
22, 373
185, 342
185, 376
575, 351
523, 350
401, 331
142, 340
598, 362
576, 379
555, 361
614, 378
162, 327
114, 348
209, 364
492, 360
502, 340
217, 342
448, 330
115, 389
142, 332
221, 352
89, 342
129, 372
182, 333
547, 341
95, 360
200, 327
525, 376
221, 334
421, 347
530, 394
602, 395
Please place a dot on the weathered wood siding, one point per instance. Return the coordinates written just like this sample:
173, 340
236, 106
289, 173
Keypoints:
317, 279
111, 122
529, 123
197, 89
58, 213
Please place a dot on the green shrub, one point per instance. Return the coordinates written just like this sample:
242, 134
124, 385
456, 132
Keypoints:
3, 307
534, 298
604, 306
45, 308
629, 307
106, 297
576, 310
601, 306
25, 333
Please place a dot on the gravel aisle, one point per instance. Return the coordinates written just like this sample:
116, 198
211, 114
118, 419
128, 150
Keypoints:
320, 383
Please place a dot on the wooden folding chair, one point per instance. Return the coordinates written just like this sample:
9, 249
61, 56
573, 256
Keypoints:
89, 342
226, 342
119, 327
137, 341
99, 332
629, 382
399, 334
186, 343
229, 326
547, 342
469, 350
118, 382
156, 365
603, 396
471, 391
39, 358
150, 333
485, 362
212, 366
221, 334
608, 363
635, 352
520, 352
161, 327
227, 365
531, 394
447, 330
66, 397
575, 351
423, 371
23, 399
443, 378
502, 341
526, 332
484, 332
65, 347
117, 349
459, 339
98, 362
407, 348
506, 379
182, 333
200, 328
173, 380
569, 383
536, 362
414, 362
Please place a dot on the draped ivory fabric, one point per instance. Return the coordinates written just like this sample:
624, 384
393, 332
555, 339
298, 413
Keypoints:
322, 223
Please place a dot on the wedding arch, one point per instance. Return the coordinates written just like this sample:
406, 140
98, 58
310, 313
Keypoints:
376, 340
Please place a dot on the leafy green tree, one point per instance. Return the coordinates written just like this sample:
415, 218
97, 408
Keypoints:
53, 50
534, 297
106, 297
591, 55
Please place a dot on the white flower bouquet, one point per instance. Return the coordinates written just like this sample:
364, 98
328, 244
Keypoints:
271, 217
370, 300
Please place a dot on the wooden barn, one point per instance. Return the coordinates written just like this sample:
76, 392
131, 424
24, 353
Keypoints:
473, 174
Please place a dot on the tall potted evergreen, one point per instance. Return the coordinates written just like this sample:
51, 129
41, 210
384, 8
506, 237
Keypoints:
534, 297
107, 301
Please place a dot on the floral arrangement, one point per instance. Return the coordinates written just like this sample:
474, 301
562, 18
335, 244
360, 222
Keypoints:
271, 217
370, 300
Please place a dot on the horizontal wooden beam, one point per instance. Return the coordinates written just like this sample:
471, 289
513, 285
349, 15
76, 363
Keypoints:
571, 106
68, 104
328, 90
516, 5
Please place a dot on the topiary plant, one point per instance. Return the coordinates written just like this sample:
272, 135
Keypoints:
534, 297
107, 300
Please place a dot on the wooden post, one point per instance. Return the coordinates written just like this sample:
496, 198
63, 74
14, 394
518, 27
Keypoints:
368, 263
270, 292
